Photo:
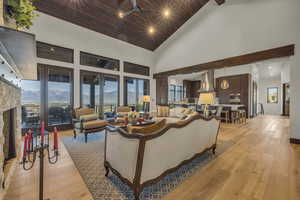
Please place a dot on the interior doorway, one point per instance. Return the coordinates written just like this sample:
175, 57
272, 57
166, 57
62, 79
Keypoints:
286, 99
254, 101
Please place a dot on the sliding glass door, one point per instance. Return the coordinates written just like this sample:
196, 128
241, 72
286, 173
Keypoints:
90, 89
110, 94
59, 93
135, 89
48, 99
100, 91
31, 103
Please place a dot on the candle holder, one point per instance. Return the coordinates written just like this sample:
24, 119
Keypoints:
35, 143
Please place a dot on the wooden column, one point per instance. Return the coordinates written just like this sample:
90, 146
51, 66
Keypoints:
162, 90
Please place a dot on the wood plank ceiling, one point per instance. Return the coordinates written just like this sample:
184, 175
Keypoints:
102, 16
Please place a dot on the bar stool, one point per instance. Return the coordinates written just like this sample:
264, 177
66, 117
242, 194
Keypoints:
235, 116
242, 114
225, 114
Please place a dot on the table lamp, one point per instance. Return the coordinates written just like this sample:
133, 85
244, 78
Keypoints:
146, 101
206, 98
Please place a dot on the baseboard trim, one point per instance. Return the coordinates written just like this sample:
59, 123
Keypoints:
294, 141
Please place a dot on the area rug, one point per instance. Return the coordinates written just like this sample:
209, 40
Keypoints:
88, 158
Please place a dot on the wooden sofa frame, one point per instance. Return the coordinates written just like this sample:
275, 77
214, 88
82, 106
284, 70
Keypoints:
136, 186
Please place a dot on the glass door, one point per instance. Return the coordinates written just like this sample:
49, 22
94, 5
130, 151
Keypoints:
90, 89
100, 91
110, 95
31, 103
59, 93
48, 99
135, 89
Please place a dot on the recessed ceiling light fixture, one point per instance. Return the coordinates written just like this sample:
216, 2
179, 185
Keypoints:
151, 30
121, 14
166, 13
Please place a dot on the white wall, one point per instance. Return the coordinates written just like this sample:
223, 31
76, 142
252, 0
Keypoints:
285, 73
58, 32
238, 27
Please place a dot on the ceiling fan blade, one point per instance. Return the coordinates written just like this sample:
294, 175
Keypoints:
120, 2
128, 13
134, 4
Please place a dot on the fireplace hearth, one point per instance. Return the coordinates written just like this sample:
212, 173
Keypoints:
9, 145
10, 132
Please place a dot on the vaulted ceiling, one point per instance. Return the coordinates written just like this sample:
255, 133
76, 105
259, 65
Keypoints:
102, 16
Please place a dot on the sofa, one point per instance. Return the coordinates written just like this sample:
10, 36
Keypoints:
143, 159
172, 115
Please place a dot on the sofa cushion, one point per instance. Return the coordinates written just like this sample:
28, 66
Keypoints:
147, 129
122, 114
123, 109
163, 111
89, 117
83, 111
94, 124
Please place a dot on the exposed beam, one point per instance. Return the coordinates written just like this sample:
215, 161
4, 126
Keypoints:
220, 2
279, 52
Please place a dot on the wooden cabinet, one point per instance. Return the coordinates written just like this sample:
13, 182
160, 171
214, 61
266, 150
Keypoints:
237, 84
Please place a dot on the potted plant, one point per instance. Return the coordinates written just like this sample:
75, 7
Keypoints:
22, 12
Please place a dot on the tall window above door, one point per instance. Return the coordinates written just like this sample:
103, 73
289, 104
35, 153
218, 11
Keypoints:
136, 69
99, 61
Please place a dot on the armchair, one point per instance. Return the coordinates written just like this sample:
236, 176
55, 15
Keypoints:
86, 121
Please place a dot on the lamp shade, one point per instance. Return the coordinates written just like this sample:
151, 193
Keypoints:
206, 98
146, 99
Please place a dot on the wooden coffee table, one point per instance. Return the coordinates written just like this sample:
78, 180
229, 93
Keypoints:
125, 126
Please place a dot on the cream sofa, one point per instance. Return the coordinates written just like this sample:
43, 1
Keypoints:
140, 160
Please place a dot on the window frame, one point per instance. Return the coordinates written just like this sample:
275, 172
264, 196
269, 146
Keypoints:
277, 95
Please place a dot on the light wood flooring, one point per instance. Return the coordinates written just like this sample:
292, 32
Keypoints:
261, 165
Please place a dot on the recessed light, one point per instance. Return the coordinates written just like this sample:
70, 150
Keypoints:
121, 14
151, 30
166, 12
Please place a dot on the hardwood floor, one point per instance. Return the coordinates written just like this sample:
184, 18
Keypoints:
62, 181
261, 165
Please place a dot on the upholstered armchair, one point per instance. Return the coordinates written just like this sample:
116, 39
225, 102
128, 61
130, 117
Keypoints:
85, 120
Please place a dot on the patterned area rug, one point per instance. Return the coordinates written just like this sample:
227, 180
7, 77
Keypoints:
89, 159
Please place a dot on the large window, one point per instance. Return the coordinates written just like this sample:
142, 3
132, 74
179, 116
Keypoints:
48, 99
90, 89
99, 91
110, 94
175, 93
135, 89
31, 103
59, 97
272, 95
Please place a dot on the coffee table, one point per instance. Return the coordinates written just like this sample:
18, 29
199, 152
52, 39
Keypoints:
125, 126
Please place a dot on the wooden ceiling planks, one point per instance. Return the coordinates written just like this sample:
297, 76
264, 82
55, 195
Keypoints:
101, 16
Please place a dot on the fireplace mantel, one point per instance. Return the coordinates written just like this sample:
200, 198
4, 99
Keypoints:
10, 99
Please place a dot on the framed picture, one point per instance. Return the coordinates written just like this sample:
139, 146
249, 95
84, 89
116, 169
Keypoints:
272, 95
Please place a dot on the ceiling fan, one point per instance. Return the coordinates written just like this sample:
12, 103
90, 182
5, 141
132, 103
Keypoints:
135, 8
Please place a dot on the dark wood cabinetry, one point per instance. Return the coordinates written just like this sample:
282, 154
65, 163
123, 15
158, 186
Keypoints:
191, 88
238, 84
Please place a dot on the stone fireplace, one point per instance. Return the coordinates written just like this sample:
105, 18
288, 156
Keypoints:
10, 131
